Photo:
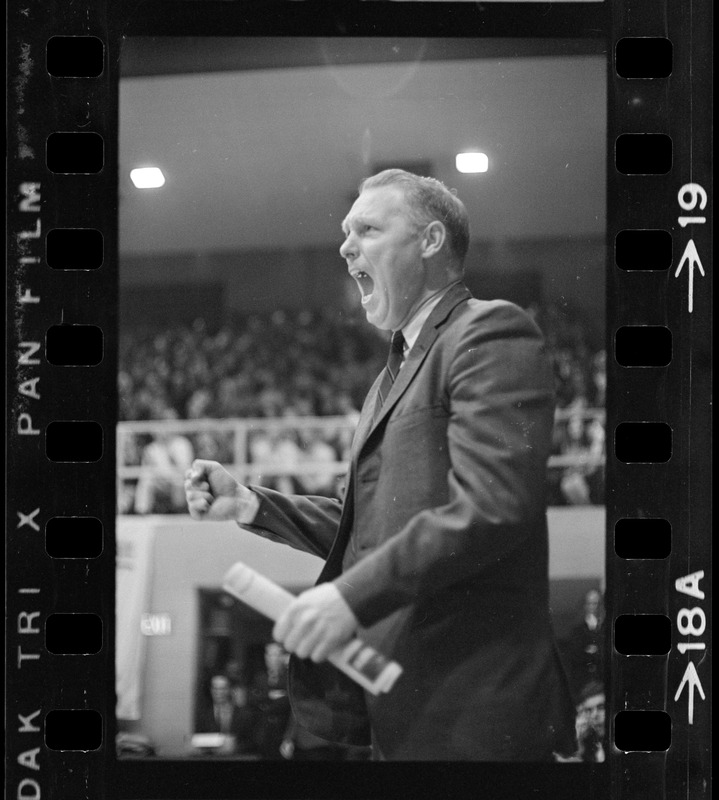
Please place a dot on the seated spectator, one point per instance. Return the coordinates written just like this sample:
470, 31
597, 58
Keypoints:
200, 404
583, 648
599, 379
591, 722
276, 734
286, 456
235, 672
270, 704
318, 452
160, 489
223, 715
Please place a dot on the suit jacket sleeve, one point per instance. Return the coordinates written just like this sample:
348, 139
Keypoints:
499, 393
307, 523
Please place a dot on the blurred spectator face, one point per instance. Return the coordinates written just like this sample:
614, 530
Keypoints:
260, 447
124, 382
563, 362
274, 655
130, 449
591, 602
593, 713
198, 404
599, 370
383, 253
235, 674
302, 407
596, 432
153, 383
220, 689
223, 339
276, 659
575, 427
206, 447
578, 384
345, 404
234, 670
159, 408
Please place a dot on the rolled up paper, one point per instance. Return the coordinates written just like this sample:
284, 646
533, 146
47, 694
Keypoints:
358, 660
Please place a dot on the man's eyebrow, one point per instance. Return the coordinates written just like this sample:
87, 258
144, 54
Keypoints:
358, 220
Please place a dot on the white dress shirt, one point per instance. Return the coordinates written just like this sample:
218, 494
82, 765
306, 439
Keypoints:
412, 329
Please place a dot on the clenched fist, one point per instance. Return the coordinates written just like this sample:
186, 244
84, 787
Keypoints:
212, 493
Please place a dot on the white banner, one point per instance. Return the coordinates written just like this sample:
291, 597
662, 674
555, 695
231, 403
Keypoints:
133, 571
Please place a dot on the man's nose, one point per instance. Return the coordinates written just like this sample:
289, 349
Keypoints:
348, 248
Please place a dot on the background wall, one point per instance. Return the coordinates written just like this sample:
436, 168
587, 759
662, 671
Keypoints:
184, 286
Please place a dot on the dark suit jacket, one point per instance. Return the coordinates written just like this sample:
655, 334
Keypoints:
440, 549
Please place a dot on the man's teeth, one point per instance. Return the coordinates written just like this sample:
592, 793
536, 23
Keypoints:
365, 283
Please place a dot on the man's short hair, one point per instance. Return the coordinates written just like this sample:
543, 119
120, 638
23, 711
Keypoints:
429, 200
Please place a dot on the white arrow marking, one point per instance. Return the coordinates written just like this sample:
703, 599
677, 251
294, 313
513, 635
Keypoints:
690, 679
691, 256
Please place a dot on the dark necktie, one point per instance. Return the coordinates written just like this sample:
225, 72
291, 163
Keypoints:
394, 362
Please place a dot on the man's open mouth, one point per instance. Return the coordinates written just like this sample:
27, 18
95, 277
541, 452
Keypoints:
365, 283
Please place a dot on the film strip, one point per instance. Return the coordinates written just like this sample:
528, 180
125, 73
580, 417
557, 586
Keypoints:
62, 303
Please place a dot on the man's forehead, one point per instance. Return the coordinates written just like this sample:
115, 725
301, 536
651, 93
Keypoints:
384, 200
593, 701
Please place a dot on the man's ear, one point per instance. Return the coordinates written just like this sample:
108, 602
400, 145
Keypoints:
433, 238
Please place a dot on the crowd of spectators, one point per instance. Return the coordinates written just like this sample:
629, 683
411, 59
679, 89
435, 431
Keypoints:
580, 378
255, 718
305, 363
313, 363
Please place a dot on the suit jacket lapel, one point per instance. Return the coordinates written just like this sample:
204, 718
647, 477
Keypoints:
333, 563
365, 420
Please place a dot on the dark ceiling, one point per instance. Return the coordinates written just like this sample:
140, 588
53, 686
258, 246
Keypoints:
158, 55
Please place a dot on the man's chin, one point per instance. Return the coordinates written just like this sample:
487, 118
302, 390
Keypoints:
381, 325
375, 317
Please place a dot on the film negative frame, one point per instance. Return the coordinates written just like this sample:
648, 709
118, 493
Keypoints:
60, 382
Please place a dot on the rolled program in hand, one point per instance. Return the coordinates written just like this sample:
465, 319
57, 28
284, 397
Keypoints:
359, 661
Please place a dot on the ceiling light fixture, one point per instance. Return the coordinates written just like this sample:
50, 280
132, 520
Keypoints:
147, 177
472, 162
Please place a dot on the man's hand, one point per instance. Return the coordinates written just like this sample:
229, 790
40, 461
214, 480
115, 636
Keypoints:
316, 623
212, 493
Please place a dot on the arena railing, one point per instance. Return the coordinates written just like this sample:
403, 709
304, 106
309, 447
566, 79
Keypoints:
236, 435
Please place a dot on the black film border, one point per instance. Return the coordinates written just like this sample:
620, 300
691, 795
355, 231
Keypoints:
670, 194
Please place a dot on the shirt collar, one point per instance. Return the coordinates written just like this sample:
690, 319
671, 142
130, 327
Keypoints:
412, 329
